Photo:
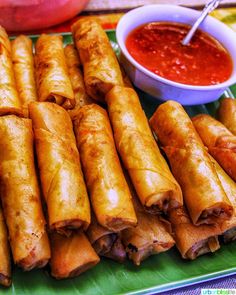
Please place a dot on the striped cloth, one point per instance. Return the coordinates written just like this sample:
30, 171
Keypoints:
95, 5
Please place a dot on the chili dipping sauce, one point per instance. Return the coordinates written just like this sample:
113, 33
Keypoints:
157, 47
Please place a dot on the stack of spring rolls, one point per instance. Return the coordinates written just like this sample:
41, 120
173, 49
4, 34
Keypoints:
81, 175
45, 206
209, 193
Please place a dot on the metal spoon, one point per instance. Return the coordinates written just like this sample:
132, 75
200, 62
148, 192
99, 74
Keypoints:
209, 7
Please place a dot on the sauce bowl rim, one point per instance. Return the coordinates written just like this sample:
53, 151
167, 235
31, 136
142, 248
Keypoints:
170, 9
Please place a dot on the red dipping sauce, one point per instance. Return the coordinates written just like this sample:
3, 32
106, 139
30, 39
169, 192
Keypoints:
157, 47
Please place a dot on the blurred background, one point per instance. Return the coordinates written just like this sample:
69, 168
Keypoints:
115, 4
30, 15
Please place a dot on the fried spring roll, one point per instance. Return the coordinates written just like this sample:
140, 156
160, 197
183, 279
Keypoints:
105, 242
52, 78
149, 237
5, 265
101, 68
203, 193
77, 79
221, 143
227, 113
23, 65
126, 79
71, 255
9, 100
59, 166
109, 192
229, 233
228, 227
20, 194
155, 185
191, 240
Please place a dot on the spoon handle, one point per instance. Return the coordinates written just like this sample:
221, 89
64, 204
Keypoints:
210, 6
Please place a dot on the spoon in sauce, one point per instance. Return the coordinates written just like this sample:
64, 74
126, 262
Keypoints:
209, 7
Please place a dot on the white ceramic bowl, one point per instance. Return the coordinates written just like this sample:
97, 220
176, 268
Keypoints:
160, 87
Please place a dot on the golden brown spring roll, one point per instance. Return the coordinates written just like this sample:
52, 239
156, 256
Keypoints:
155, 185
9, 100
228, 228
126, 79
20, 194
108, 190
23, 65
5, 260
77, 79
221, 143
52, 77
149, 237
71, 255
227, 113
59, 166
105, 242
191, 240
101, 68
203, 194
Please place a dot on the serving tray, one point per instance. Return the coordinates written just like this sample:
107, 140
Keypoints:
158, 273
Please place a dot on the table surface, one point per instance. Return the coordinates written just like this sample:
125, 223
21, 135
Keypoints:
96, 5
